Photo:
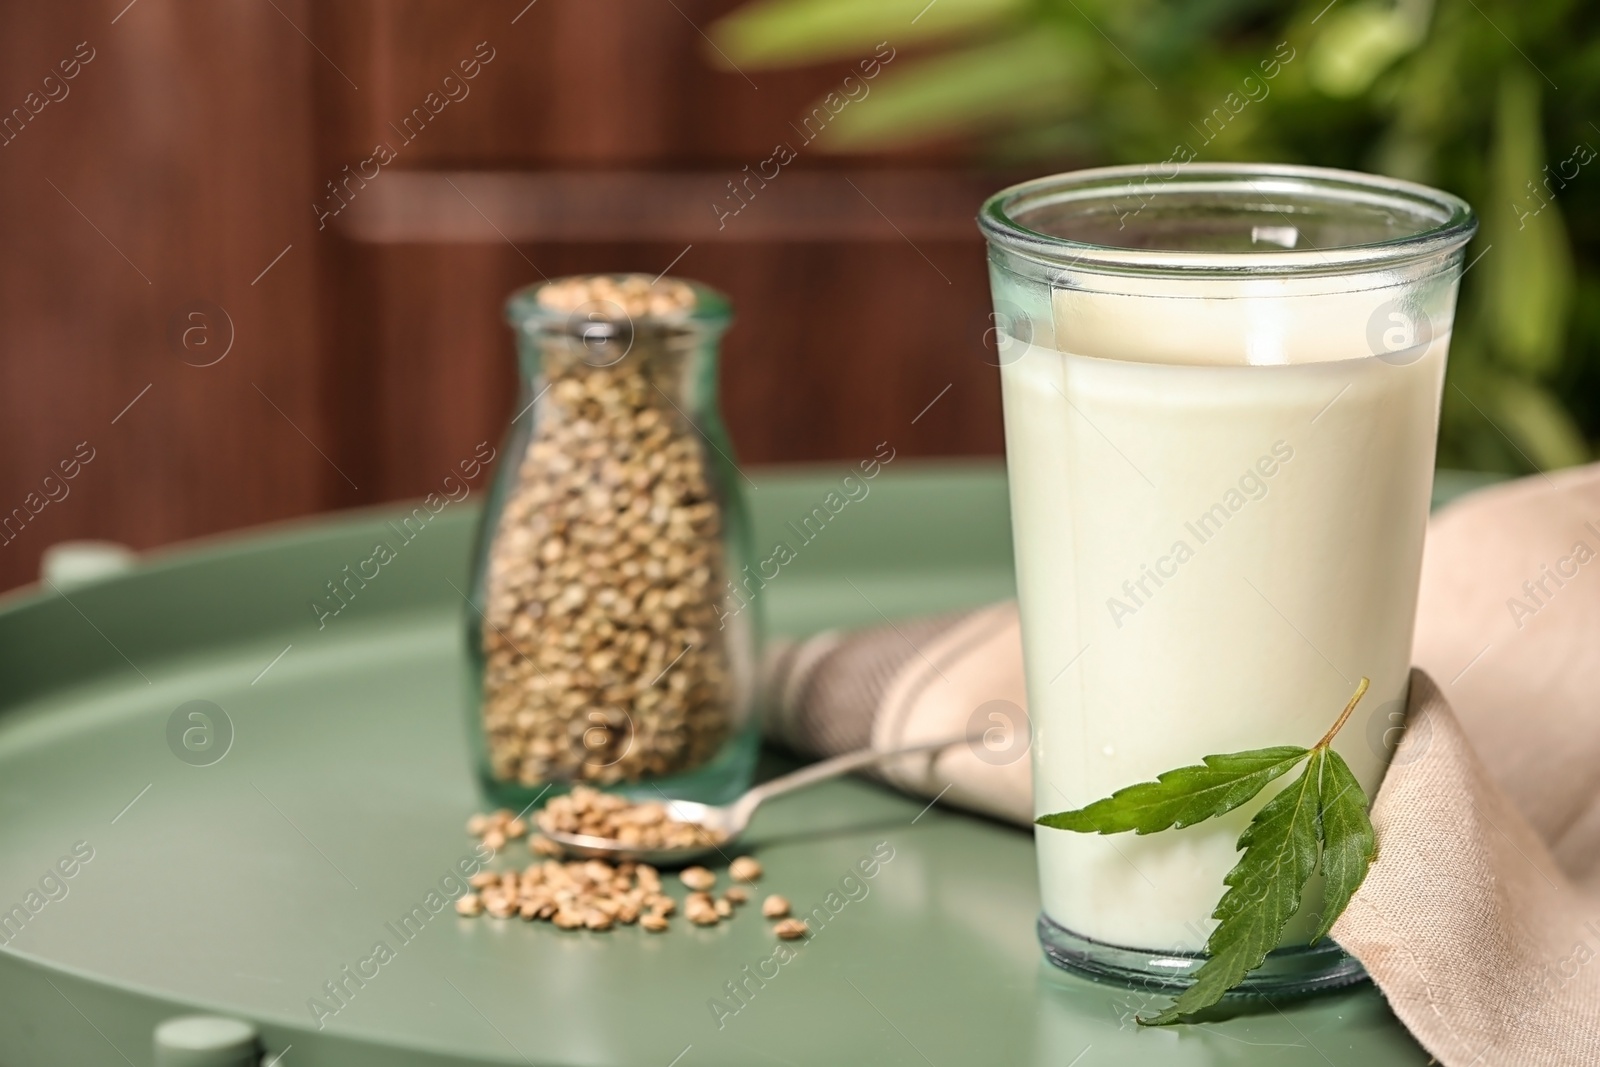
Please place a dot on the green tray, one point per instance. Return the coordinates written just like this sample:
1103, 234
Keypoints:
241, 887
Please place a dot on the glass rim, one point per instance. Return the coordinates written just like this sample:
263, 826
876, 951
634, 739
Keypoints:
1451, 220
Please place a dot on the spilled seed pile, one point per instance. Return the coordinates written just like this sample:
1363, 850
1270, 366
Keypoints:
595, 895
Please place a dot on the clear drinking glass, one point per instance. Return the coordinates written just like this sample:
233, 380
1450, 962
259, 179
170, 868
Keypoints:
1221, 390
604, 649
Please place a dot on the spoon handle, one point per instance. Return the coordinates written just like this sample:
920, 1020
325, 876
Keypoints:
832, 768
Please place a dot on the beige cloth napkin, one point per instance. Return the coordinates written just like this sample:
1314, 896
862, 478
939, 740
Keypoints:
1480, 920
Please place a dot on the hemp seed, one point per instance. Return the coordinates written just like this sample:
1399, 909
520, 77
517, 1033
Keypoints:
736, 894
634, 295
745, 869
469, 904
541, 845
698, 878
790, 929
656, 924
775, 907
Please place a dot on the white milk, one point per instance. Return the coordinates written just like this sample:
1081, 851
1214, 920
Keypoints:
1219, 504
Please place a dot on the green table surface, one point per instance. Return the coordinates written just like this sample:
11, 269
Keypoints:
241, 887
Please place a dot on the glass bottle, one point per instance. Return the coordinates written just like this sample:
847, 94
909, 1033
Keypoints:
601, 649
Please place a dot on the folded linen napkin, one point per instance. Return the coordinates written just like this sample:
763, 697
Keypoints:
1480, 919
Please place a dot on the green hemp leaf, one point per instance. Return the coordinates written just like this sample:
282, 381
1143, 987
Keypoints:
1348, 841
1321, 814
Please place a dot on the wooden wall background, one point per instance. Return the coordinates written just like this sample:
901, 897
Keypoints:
175, 175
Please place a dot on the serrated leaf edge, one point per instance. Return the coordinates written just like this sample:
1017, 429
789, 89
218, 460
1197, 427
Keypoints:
1177, 1011
1333, 906
1291, 758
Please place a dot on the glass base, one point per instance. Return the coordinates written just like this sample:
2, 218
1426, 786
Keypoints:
1287, 971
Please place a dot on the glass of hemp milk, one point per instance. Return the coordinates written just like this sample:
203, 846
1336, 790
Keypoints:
1221, 387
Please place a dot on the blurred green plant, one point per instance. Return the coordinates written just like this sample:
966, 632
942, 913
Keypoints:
1491, 99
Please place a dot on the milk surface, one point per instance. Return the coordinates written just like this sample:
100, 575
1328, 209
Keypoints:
1218, 504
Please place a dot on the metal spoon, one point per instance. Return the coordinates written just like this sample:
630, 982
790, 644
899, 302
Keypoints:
732, 819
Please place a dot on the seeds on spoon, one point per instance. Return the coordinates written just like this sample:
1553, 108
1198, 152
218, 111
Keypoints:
643, 825
541, 845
